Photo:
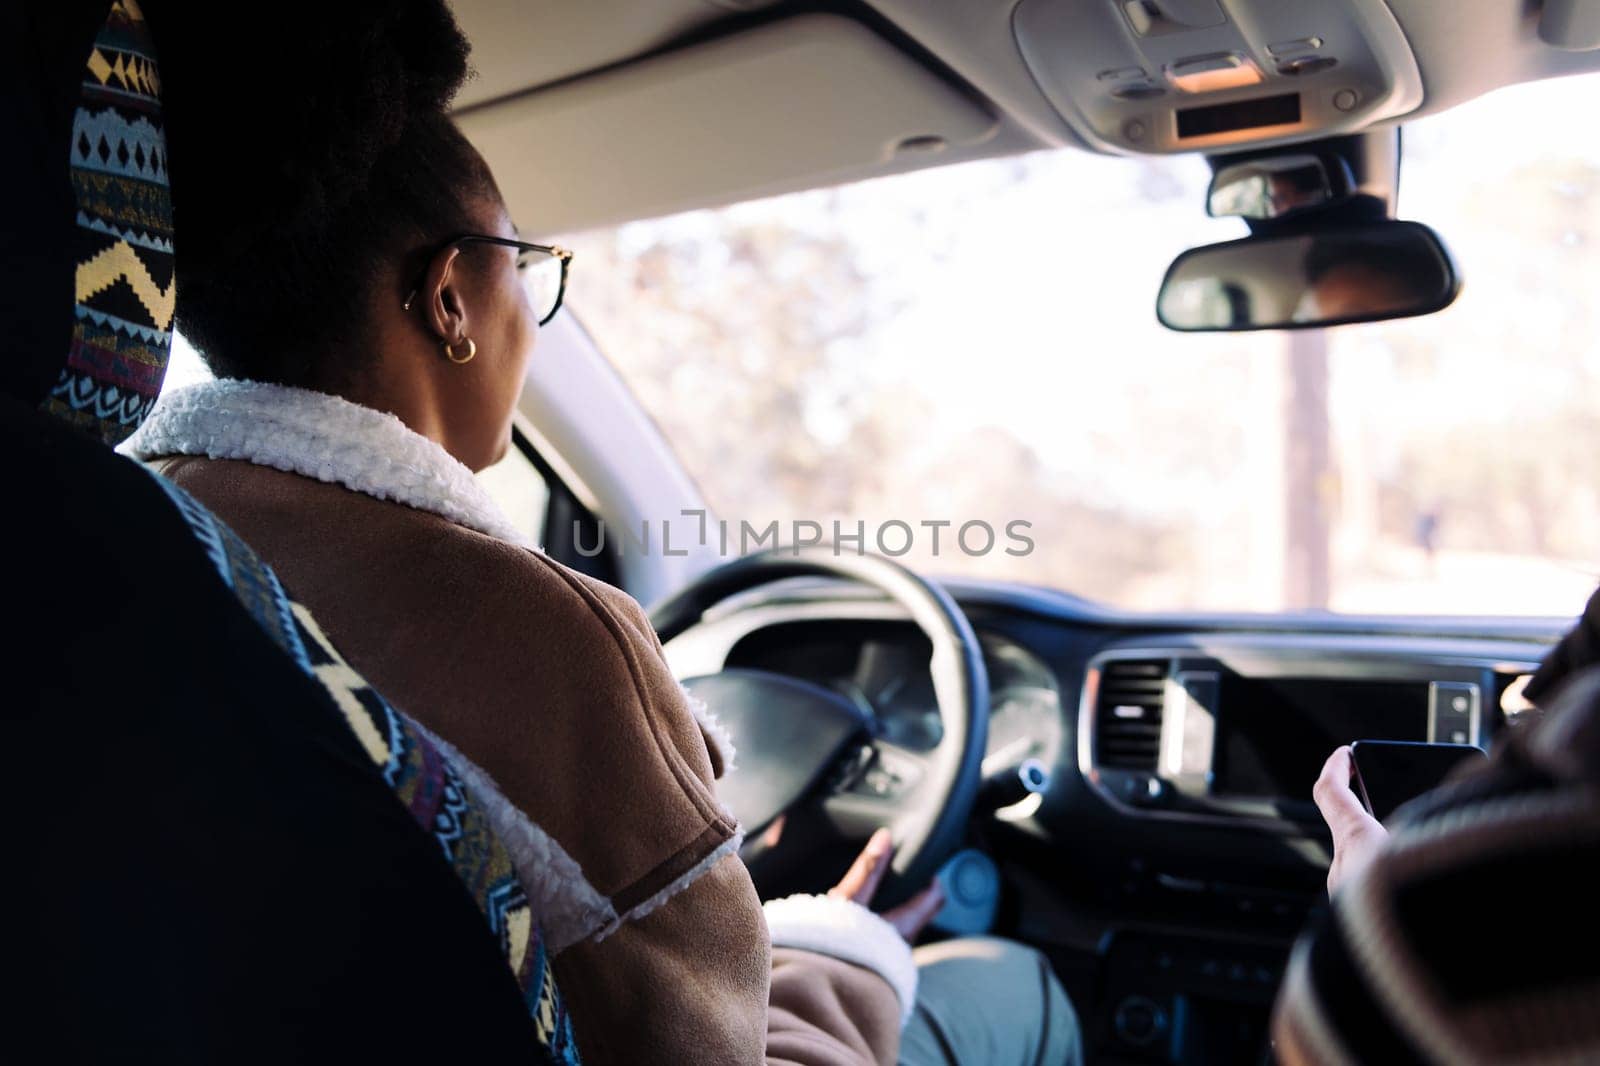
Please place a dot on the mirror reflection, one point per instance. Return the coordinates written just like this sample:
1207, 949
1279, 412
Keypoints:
1353, 274
1269, 188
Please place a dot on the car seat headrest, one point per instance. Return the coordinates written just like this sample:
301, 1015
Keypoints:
89, 242
123, 293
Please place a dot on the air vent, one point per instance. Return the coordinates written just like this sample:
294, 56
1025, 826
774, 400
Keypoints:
1128, 714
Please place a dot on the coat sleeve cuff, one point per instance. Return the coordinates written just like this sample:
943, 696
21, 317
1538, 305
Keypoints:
848, 931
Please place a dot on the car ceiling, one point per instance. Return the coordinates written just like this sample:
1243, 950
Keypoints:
593, 112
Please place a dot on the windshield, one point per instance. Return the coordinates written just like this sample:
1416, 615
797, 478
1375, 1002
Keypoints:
977, 344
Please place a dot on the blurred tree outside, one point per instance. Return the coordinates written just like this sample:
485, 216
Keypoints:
746, 346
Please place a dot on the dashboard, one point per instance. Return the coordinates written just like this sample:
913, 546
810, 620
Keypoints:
1147, 722
882, 667
1226, 727
1176, 853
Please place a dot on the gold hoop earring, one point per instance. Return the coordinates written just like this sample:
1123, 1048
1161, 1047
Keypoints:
450, 351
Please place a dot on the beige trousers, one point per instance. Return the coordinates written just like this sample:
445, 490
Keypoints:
982, 1001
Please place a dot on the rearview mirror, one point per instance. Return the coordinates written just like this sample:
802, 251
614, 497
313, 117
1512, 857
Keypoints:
1275, 186
1328, 277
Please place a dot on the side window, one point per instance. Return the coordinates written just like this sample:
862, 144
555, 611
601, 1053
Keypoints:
541, 505
520, 489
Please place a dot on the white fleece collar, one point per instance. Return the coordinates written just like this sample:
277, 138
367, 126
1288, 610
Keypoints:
331, 439
323, 437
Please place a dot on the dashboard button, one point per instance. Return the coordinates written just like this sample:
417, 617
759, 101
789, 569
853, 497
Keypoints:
1452, 710
879, 782
1140, 1020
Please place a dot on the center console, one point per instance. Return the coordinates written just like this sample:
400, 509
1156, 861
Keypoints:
1181, 1000
1237, 735
1200, 744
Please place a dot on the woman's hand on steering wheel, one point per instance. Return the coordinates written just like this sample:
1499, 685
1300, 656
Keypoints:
860, 884
924, 796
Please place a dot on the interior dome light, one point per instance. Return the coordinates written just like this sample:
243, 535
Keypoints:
1209, 74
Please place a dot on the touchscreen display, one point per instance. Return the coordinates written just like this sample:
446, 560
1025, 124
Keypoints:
1273, 735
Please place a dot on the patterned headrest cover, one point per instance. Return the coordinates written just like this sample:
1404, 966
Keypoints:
122, 241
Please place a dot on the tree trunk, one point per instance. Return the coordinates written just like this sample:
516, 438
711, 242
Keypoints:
1308, 474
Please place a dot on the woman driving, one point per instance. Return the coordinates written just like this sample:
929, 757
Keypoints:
370, 340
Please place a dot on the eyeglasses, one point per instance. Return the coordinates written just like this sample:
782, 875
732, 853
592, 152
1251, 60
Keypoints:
543, 265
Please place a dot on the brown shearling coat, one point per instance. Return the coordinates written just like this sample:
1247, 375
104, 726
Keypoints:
556, 685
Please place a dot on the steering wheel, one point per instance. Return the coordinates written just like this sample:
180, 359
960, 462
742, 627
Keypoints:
803, 745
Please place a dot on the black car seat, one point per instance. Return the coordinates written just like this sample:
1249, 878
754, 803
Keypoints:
226, 847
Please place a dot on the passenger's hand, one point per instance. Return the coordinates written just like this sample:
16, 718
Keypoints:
860, 884
1357, 835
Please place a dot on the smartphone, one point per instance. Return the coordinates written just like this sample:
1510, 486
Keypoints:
1391, 772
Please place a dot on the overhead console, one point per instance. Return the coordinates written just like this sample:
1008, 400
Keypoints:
1237, 735
1183, 75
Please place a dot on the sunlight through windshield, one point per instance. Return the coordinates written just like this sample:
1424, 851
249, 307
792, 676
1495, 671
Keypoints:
978, 343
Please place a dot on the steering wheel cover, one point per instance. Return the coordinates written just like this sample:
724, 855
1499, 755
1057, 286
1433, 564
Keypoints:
925, 833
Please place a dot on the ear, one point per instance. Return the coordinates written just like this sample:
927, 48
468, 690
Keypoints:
443, 307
